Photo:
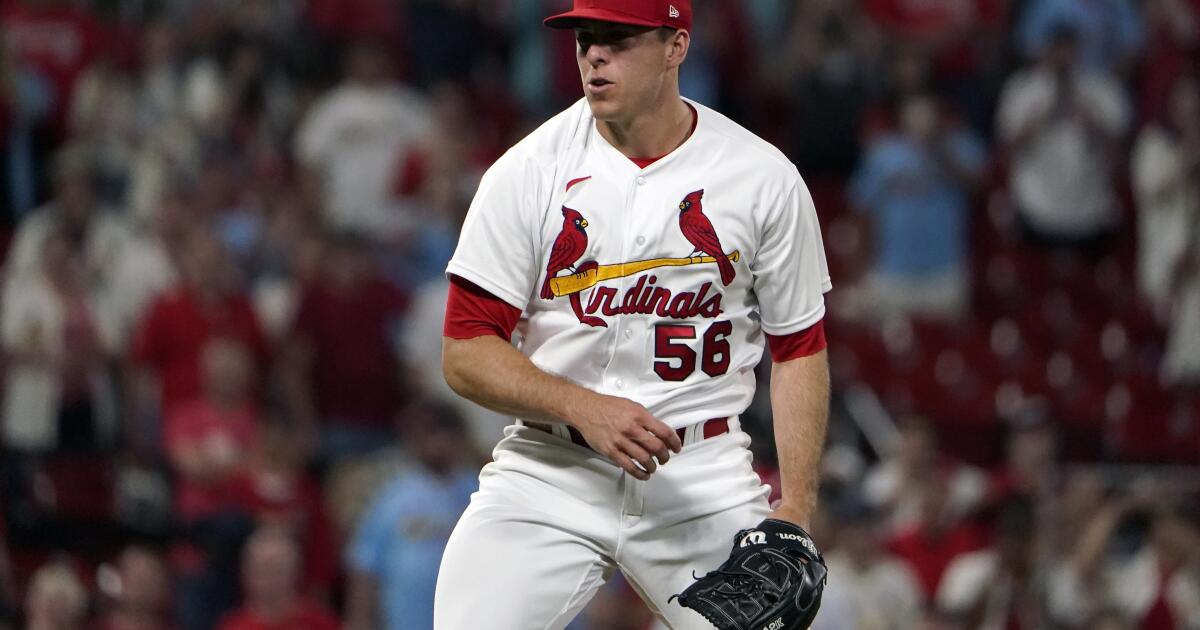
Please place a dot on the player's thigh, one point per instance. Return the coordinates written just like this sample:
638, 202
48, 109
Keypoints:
664, 566
504, 570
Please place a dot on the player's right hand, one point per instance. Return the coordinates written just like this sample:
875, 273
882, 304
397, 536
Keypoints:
626, 433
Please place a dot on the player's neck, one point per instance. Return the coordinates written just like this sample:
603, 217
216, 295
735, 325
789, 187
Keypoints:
651, 134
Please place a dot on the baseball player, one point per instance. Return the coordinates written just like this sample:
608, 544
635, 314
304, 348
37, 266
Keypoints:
617, 278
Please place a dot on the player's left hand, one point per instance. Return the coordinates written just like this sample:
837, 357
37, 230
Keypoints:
773, 579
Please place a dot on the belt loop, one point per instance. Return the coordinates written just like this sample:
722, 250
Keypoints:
735, 424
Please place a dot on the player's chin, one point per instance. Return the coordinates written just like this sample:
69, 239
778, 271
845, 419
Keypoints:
604, 108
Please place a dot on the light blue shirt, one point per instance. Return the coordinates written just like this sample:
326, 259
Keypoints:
1109, 30
401, 540
920, 210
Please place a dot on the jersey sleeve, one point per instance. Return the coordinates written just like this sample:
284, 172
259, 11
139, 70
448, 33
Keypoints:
472, 312
498, 249
791, 275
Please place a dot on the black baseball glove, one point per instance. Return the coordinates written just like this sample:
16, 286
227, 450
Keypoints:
772, 580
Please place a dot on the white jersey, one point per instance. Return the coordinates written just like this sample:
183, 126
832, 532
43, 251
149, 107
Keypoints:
616, 270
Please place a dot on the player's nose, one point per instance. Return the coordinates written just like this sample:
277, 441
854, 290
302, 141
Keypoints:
596, 54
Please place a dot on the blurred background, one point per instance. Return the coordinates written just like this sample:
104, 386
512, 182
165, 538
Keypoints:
224, 227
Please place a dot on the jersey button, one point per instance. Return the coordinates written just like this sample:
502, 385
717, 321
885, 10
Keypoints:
628, 333
641, 181
641, 240
620, 384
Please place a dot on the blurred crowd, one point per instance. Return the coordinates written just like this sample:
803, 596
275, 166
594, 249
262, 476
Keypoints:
226, 222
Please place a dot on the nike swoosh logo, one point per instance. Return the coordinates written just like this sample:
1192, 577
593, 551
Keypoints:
578, 180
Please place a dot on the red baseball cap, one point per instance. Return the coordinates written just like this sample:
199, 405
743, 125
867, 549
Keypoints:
669, 13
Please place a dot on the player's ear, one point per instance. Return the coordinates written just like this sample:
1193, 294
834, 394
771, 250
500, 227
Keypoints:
677, 48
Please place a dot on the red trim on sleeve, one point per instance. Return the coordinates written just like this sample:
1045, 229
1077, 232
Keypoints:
804, 343
473, 312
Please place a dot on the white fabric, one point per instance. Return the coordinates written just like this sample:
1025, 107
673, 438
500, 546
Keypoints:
973, 579
1061, 179
882, 596
31, 321
757, 204
107, 241
1130, 586
354, 138
1182, 362
553, 520
1168, 224
142, 272
1168, 205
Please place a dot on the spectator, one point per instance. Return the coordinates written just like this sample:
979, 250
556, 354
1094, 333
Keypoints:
56, 38
278, 491
56, 600
1060, 123
895, 487
1109, 32
340, 367
56, 397
178, 326
1166, 172
1166, 169
422, 343
916, 186
147, 266
998, 588
352, 141
271, 569
25, 103
95, 234
440, 176
102, 118
883, 592
963, 39
1157, 586
207, 440
1030, 467
394, 556
137, 593
826, 71
936, 539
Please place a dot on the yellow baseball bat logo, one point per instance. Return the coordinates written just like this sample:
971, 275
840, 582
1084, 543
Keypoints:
575, 283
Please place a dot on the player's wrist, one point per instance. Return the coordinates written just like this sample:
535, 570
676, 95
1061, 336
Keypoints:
575, 408
792, 513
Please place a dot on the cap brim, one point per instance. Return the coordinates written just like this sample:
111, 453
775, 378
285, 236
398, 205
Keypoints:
571, 19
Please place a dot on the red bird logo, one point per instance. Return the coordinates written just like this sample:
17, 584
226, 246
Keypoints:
698, 230
571, 243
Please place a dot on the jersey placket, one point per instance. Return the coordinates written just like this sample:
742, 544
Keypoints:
619, 355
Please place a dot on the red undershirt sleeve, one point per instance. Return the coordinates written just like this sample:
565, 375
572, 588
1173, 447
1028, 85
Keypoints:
473, 312
803, 343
